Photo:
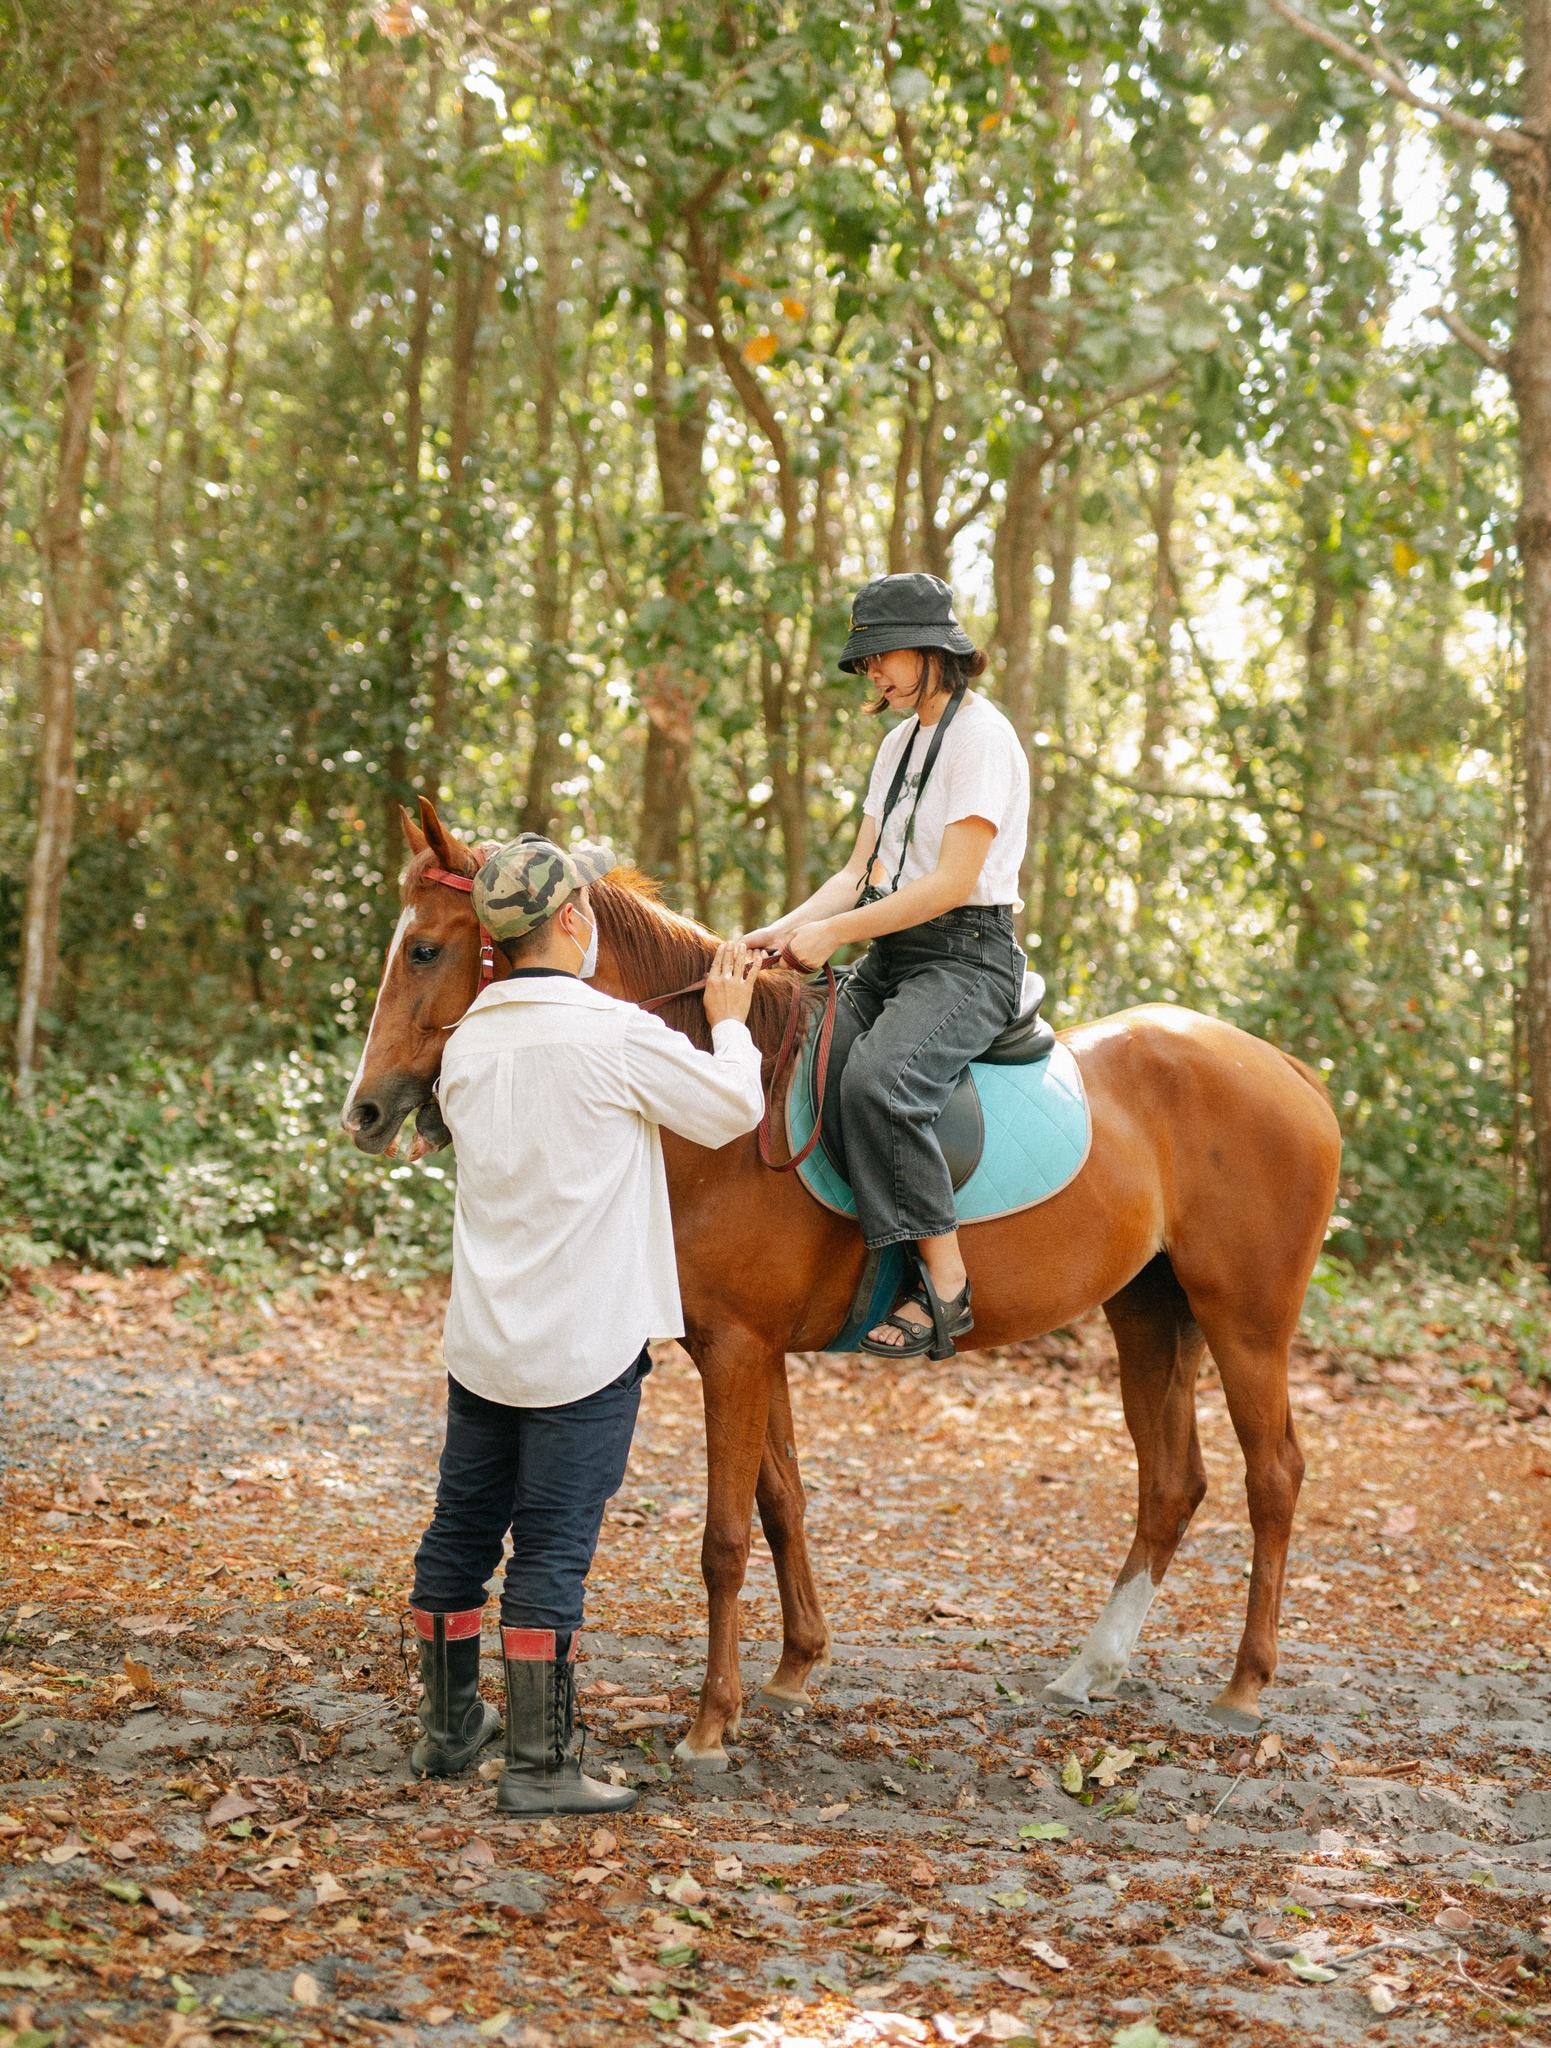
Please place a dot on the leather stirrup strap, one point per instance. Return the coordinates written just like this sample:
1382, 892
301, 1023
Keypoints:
785, 1063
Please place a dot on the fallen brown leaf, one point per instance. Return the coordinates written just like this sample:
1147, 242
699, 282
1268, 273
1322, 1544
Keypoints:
230, 1806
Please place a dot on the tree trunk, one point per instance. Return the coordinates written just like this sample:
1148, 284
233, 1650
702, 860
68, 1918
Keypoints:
1055, 718
1316, 881
1018, 538
1163, 610
781, 706
403, 626
64, 576
671, 691
904, 464
473, 270
547, 693
1529, 370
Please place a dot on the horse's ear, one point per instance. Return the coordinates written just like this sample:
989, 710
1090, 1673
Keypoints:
448, 848
412, 832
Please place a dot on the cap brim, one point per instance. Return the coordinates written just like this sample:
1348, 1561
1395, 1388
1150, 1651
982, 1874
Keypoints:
594, 859
870, 640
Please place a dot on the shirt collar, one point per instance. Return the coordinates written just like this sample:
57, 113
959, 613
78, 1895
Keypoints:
540, 988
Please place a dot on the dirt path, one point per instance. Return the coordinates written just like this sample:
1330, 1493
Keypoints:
207, 1826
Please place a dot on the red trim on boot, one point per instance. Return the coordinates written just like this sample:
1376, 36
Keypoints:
458, 1627
528, 1645
536, 1644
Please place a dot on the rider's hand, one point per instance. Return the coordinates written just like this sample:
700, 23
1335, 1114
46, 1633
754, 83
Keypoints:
770, 938
729, 986
811, 944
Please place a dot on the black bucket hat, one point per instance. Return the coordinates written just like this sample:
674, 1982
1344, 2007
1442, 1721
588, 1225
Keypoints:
913, 610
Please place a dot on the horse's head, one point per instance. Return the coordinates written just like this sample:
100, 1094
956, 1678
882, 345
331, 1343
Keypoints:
429, 978
432, 974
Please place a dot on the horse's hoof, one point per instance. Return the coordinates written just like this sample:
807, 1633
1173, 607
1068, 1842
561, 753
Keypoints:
1235, 1719
1063, 1702
768, 1702
703, 1763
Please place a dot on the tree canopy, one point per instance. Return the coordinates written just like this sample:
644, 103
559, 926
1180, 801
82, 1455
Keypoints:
505, 404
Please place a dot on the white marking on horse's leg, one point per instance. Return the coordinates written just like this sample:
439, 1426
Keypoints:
1101, 1663
399, 930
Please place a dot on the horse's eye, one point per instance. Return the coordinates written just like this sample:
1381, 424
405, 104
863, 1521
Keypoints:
423, 953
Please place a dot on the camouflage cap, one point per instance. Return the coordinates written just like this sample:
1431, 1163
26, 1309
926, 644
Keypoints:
529, 878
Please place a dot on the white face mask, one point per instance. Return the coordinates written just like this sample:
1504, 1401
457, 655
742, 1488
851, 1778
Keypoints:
589, 966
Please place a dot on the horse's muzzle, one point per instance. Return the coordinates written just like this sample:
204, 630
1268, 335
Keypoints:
374, 1117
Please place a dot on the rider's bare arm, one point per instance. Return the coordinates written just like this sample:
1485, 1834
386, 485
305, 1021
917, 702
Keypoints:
965, 845
829, 899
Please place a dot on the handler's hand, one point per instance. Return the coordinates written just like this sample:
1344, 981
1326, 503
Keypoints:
729, 986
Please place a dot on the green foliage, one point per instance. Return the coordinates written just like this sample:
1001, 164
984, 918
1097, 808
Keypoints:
242, 1167
1406, 1311
495, 419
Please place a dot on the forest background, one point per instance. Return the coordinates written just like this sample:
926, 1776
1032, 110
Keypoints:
504, 402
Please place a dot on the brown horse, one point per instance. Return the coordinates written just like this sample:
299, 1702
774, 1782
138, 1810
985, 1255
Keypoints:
1195, 1222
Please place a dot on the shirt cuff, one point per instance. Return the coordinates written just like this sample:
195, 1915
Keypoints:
731, 1031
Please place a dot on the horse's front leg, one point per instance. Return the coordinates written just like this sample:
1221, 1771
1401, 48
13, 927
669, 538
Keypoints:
738, 1369
782, 1508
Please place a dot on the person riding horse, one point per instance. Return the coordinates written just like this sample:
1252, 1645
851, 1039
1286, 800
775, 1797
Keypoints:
933, 883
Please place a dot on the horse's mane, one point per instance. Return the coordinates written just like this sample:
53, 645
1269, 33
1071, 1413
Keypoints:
656, 950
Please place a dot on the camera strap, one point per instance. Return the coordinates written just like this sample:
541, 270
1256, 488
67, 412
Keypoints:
868, 894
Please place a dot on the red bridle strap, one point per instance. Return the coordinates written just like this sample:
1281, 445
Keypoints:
465, 885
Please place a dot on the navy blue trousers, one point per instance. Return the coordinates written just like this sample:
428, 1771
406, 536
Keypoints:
545, 1474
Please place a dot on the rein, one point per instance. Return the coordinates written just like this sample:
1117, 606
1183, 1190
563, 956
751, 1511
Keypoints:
786, 1057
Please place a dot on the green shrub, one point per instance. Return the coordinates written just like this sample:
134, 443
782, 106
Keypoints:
1405, 1311
239, 1164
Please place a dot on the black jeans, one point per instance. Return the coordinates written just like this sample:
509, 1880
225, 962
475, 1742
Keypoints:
918, 1007
544, 1473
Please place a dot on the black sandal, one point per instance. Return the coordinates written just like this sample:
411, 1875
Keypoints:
950, 1319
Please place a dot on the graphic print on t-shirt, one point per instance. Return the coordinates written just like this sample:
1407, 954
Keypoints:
891, 845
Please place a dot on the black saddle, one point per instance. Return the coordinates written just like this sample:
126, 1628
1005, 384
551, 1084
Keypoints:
961, 1130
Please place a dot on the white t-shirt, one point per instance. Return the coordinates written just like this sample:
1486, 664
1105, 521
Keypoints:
980, 772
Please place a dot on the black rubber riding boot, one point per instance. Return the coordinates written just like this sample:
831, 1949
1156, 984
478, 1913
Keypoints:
542, 1774
457, 1722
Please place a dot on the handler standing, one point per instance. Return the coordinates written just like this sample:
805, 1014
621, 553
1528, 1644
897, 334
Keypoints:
562, 1268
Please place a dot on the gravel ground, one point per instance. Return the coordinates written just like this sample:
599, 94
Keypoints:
208, 1827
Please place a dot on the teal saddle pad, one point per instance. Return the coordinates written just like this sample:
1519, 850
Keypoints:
1037, 1132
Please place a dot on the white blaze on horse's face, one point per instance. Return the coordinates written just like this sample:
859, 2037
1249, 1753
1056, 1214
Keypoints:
406, 918
1101, 1663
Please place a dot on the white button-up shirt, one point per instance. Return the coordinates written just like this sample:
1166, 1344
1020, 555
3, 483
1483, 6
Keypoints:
562, 1250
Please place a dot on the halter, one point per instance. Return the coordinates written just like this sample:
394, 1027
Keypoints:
464, 884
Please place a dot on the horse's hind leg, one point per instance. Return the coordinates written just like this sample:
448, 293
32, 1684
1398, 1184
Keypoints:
782, 1507
1253, 1368
1160, 1351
